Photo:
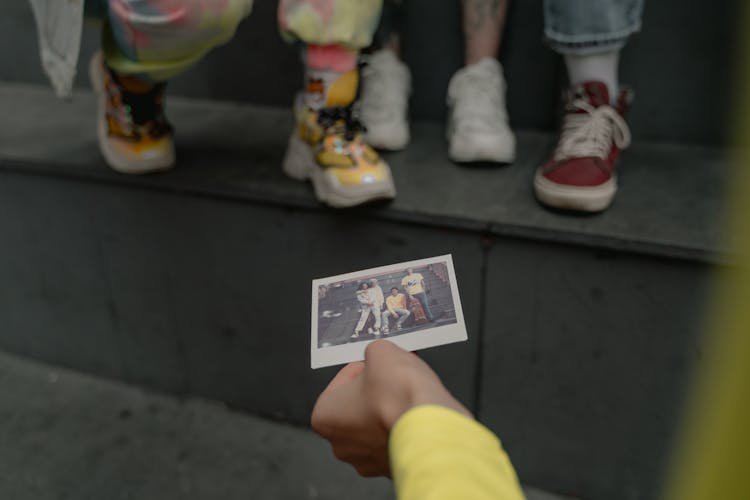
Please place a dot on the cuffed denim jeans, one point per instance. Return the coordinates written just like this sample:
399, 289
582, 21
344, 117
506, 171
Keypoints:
584, 27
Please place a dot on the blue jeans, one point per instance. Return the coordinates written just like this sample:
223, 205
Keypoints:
401, 314
584, 27
422, 298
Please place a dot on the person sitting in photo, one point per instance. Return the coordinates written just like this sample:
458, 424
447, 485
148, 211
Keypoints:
396, 309
414, 287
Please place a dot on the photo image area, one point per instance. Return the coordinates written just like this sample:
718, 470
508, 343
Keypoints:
420, 301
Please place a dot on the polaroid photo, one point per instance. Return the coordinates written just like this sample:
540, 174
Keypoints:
413, 304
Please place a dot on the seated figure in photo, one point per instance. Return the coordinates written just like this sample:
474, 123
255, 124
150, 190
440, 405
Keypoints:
414, 287
395, 309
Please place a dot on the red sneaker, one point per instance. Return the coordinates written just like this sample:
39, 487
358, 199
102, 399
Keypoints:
581, 173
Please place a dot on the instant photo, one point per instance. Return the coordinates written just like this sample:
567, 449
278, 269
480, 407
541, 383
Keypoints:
415, 305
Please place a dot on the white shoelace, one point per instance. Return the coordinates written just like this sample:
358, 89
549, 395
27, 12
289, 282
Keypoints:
386, 89
590, 134
477, 98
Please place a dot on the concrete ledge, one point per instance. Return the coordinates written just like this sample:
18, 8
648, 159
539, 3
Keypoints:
669, 204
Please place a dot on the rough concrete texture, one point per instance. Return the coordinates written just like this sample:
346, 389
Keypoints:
68, 436
586, 358
234, 150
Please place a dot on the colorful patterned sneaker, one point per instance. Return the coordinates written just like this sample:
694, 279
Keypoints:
581, 173
478, 129
134, 135
328, 149
386, 86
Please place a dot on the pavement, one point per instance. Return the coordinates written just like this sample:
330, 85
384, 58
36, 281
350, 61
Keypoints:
68, 436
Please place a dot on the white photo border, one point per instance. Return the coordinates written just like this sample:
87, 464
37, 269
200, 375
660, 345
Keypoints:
321, 357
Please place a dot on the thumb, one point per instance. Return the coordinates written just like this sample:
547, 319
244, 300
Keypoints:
347, 374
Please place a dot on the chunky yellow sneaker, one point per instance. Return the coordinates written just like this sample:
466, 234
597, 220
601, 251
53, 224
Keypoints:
134, 135
328, 148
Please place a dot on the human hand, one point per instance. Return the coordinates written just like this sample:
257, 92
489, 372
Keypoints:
364, 400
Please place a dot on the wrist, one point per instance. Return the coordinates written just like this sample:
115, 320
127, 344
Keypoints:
418, 391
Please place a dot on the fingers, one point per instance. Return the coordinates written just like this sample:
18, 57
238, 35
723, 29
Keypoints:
339, 391
383, 353
381, 350
346, 375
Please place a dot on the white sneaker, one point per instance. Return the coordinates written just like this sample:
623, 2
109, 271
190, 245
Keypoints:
386, 86
478, 129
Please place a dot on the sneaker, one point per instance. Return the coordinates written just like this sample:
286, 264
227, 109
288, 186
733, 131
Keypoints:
134, 135
386, 86
328, 148
478, 129
355, 335
581, 173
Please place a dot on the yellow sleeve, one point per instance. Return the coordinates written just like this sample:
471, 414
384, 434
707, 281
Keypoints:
437, 453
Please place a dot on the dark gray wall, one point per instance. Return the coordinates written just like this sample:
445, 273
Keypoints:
193, 295
680, 65
577, 358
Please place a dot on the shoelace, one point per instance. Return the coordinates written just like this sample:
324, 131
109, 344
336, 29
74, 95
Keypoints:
342, 120
380, 96
479, 100
590, 134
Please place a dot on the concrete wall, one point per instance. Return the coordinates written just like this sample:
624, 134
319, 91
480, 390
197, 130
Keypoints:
577, 358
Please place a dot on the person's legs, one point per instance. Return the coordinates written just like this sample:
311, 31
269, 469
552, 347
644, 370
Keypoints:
376, 314
386, 84
403, 316
478, 129
589, 34
484, 22
362, 320
146, 42
425, 301
386, 321
327, 146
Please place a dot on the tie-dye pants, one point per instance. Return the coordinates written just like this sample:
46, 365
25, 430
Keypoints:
158, 39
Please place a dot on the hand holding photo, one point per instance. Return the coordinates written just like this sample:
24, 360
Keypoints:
413, 304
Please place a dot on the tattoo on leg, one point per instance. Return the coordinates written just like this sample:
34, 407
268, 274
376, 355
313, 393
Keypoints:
481, 12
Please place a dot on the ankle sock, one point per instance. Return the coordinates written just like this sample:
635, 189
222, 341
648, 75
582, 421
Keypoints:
598, 67
331, 76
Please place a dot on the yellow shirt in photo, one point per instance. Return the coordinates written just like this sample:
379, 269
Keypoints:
396, 302
413, 283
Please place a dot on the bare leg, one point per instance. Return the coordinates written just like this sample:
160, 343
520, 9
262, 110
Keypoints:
388, 35
484, 21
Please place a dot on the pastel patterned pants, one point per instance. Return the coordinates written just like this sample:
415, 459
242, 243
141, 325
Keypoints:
158, 39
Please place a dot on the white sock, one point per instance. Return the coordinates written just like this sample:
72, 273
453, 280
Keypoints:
598, 67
